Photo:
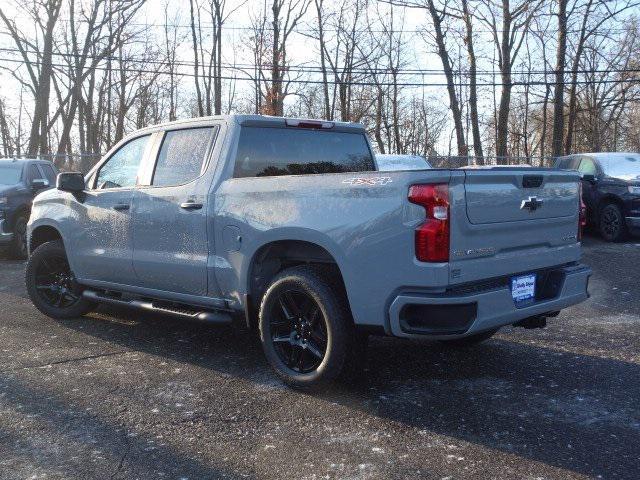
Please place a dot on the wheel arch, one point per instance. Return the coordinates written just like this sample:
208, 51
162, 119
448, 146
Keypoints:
42, 234
275, 255
22, 210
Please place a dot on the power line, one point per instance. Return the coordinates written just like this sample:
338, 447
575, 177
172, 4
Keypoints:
317, 69
307, 31
320, 82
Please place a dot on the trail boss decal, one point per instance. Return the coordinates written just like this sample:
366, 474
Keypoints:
371, 181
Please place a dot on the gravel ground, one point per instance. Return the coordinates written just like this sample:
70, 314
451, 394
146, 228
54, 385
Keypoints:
121, 394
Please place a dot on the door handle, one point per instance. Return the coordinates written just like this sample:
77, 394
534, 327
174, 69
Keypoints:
121, 206
191, 206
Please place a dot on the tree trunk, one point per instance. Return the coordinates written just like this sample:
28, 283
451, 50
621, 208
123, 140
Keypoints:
505, 95
323, 61
473, 89
196, 63
571, 119
558, 94
451, 88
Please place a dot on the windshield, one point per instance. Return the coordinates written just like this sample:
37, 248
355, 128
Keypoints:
625, 168
10, 173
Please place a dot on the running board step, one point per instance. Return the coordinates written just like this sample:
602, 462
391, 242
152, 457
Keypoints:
220, 318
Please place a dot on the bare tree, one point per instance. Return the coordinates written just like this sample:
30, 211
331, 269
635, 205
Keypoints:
593, 16
321, 18
45, 14
87, 52
285, 15
438, 17
473, 86
509, 26
558, 94
206, 43
5, 134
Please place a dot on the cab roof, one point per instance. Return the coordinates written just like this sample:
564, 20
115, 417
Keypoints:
259, 120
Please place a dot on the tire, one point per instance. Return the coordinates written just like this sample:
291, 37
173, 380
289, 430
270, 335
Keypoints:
611, 223
305, 327
51, 284
471, 340
18, 247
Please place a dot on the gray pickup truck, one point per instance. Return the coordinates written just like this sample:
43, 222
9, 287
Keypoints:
288, 225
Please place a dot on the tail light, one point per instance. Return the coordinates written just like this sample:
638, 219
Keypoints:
432, 236
313, 124
582, 215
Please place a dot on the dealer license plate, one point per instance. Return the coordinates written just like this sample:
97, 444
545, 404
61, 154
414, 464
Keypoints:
523, 288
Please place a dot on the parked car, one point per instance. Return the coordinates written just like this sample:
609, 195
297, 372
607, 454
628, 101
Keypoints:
390, 162
20, 181
610, 190
287, 224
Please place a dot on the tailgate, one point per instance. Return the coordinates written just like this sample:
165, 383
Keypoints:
512, 220
498, 196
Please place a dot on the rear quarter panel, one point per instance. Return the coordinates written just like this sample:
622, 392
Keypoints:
366, 225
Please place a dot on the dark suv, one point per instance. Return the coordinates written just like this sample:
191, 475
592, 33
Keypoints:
20, 181
610, 190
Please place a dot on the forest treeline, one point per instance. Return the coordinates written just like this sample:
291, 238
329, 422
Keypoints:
496, 80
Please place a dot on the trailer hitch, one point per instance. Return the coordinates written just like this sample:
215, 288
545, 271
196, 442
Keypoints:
537, 321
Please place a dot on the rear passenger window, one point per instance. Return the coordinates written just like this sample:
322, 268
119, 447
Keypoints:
264, 151
182, 155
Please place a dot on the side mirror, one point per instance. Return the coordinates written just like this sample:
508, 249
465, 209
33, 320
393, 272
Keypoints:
588, 177
70, 182
39, 184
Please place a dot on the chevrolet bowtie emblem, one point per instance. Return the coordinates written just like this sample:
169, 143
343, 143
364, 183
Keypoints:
531, 204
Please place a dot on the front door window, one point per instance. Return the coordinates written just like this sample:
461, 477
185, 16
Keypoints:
121, 170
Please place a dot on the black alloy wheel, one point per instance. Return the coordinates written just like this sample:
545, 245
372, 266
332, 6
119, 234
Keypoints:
306, 328
612, 226
55, 283
298, 331
51, 284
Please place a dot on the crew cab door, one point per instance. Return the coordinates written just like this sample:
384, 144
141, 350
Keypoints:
100, 241
170, 214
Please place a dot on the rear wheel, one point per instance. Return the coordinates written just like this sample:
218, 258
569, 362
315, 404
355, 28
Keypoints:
612, 224
18, 247
51, 284
470, 340
305, 327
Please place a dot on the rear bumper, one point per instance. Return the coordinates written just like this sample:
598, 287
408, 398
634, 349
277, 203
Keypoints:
456, 316
5, 237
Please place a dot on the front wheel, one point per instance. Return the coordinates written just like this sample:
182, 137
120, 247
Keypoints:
612, 224
305, 327
51, 284
18, 247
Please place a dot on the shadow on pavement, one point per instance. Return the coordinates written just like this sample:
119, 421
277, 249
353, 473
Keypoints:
73, 429
568, 410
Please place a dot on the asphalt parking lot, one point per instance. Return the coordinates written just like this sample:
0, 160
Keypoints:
123, 395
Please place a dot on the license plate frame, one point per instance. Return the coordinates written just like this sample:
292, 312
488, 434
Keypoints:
523, 288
